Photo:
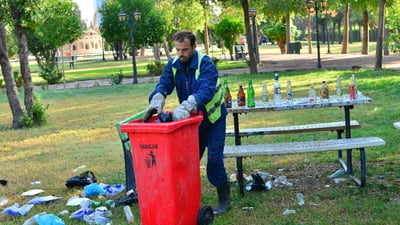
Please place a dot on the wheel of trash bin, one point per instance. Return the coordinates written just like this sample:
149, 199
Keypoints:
205, 216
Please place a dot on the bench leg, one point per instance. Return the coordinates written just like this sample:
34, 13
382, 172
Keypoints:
239, 167
363, 169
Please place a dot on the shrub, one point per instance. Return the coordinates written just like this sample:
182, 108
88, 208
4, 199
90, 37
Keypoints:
51, 76
156, 68
39, 116
117, 78
18, 79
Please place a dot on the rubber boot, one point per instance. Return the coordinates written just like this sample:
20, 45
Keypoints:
224, 193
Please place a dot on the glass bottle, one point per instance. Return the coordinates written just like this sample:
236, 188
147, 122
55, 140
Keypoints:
312, 94
353, 87
250, 95
264, 92
277, 91
241, 97
338, 88
227, 95
324, 90
289, 90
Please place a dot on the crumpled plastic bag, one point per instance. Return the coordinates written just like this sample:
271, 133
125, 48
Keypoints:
81, 213
43, 199
93, 190
15, 210
112, 190
49, 219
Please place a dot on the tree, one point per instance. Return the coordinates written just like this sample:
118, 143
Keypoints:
56, 25
148, 31
11, 88
21, 12
379, 41
229, 29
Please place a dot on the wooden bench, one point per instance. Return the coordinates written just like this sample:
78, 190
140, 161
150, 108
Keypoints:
240, 53
396, 125
240, 151
339, 127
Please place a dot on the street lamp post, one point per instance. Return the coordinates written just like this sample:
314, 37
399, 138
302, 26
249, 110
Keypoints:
327, 30
252, 14
317, 7
122, 18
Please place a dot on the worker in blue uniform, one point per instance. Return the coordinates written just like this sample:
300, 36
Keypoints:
195, 78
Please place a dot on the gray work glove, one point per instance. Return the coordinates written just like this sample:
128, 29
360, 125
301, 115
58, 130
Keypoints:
184, 109
156, 106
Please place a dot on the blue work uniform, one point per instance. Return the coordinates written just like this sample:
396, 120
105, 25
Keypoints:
211, 135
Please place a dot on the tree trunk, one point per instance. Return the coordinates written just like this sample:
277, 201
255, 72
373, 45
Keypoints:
11, 87
346, 28
206, 39
156, 51
167, 53
24, 67
365, 35
287, 18
309, 32
253, 63
379, 41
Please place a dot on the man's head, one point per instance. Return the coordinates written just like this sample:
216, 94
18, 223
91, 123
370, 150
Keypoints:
185, 45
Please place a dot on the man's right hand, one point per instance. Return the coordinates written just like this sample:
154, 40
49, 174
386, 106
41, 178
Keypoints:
156, 106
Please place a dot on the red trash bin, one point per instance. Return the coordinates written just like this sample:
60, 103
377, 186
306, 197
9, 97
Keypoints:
167, 169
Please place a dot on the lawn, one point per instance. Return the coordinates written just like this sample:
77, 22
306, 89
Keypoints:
81, 131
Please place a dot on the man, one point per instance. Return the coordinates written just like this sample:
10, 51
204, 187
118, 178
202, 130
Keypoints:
197, 90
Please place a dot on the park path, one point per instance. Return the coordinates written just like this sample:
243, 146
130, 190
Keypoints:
271, 63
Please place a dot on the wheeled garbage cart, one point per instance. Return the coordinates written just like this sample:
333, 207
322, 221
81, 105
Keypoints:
166, 161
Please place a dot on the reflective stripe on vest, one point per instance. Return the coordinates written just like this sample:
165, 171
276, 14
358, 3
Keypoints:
213, 107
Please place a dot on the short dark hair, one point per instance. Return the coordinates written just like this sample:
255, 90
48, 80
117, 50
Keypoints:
181, 35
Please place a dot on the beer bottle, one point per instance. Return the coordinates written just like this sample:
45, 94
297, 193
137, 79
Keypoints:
241, 97
277, 91
250, 95
227, 95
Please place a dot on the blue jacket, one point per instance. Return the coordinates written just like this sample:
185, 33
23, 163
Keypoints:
203, 89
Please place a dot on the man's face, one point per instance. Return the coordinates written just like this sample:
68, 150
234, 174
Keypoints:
184, 50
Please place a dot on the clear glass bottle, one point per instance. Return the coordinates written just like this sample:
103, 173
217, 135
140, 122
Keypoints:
264, 92
227, 95
324, 90
312, 94
250, 95
277, 91
353, 87
289, 91
241, 97
338, 88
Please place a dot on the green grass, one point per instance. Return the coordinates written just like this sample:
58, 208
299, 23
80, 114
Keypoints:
81, 131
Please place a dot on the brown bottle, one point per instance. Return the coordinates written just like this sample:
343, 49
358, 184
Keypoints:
241, 97
227, 95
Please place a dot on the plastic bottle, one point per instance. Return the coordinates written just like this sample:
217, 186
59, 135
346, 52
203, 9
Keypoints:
250, 95
277, 91
289, 91
300, 198
338, 87
353, 87
227, 95
264, 92
324, 91
241, 97
312, 94
128, 214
